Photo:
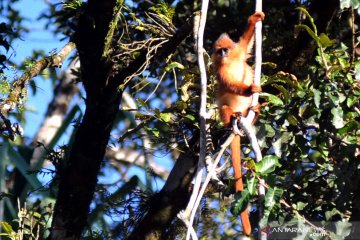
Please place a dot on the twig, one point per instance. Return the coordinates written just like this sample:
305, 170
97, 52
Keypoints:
199, 194
208, 178
17, 90
283, 202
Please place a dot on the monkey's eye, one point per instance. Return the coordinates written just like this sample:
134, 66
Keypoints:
222, 52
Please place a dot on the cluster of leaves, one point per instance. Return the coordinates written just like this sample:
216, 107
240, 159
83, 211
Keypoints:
31, 223
308, 130
312, 126
350, 3
65, 15
148, 85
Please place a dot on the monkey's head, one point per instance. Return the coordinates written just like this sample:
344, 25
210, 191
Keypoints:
222, 48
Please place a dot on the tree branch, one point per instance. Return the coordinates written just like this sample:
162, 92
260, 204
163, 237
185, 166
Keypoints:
17, 90
78, 173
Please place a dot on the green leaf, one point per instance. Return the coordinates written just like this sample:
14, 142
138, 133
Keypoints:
301, 205
4, 86
351, 100
181, 105
164, 11
292, 120
317, 97
330, 214
301, 94
349, 127
325, 41
283, 90
154, 131
357, 71
165, 117
338, 117
251, 185
345, 4
315, 156
7, 228
343, 229
142, 103
334, 99
267, 165
272, 197
190, 117
174, 65
241, 202
303, 10
272, 99
309, 31
355, 3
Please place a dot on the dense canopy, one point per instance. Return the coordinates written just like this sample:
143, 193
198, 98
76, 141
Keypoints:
115, 153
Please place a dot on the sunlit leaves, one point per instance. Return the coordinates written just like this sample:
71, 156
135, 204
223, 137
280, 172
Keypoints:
338, 117
343, 229
325, 41
241, 202
322, 40
272, 198
317, 97
273, 99
349, 3
267, 165
6, 227
4, 86
357, 71
155, 132
164, 11
74, 5
174, 65
252, 185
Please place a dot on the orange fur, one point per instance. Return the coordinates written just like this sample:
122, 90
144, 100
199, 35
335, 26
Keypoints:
235, 78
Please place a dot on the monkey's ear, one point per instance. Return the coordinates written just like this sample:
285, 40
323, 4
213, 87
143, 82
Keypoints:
224, 36
224, 41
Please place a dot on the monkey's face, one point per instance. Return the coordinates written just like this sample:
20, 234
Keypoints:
222, 49
222, 52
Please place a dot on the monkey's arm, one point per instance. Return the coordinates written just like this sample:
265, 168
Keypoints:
246, 40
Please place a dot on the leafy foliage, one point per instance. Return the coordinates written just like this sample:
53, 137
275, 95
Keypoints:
308, 130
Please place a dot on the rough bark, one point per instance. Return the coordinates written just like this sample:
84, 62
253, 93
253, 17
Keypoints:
169, 201
78, 175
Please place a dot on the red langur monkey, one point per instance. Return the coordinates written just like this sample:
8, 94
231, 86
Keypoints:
235, 78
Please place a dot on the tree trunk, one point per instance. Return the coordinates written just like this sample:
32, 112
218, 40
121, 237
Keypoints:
78, 173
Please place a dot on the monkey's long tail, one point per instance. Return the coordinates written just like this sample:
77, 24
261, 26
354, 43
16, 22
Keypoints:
236, 162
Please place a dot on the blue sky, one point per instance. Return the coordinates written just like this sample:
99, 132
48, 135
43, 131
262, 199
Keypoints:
38, 38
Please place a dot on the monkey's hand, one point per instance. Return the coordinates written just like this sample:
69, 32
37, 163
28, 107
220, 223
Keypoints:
256, 109
236, 115
255, 88
256, 17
